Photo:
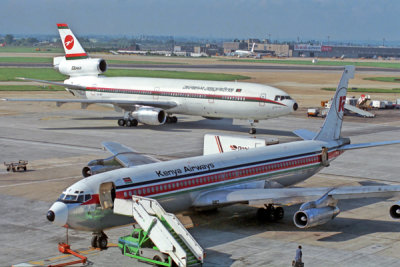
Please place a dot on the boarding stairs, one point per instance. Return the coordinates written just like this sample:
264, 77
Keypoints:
359, 111
164, 229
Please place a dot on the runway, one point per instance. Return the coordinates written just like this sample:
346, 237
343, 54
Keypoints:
231, 67
58, 142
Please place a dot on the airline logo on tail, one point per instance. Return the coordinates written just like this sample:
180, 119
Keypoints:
340, 104
69, 42
72, 47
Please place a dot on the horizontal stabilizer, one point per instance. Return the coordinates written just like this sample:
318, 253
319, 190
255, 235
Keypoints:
126, 156
305, 134
364, 145
70, 86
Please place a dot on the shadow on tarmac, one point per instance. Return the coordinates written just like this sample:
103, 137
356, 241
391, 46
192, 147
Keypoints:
182, 126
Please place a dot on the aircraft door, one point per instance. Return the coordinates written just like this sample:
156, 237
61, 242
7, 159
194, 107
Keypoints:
107, 195
156, 93
324, 157
262, 98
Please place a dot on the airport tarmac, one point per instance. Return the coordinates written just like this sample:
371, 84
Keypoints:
58, 142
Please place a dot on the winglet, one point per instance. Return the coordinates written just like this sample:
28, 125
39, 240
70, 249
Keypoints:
333, 122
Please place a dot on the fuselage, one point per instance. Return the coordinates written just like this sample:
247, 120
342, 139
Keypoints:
178, 184
213, 99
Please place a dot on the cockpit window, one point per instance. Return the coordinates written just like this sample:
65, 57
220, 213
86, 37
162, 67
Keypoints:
282, 97
75, 198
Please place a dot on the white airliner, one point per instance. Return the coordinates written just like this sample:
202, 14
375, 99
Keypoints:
245, 53
255, 177
153, 101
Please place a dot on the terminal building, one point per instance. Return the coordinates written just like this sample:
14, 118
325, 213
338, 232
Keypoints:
334, 51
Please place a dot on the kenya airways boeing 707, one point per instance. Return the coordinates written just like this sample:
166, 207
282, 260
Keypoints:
153, 101
255, 177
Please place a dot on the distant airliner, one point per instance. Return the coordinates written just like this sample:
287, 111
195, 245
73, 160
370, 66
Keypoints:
245, 53
255, 177
153, 100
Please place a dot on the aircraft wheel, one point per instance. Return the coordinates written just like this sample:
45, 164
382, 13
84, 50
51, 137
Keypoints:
252, 131
121, 122
134, 122
102, 242
174, 119
169, 119
94, 241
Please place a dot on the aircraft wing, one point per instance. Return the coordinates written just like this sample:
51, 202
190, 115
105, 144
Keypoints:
290, 196
126, 156
123, 104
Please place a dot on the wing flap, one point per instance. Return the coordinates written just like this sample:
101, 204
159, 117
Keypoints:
291, 196
126, 156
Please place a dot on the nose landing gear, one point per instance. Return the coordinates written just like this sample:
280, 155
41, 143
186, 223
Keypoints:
252, 129
99, 240
270, 213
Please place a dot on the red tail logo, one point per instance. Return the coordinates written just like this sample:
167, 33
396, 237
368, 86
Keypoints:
69, 42
342, 101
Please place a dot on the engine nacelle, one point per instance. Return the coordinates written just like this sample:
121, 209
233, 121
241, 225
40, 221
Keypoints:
395, 211
81, 67
100, 165
150, 116
313, 217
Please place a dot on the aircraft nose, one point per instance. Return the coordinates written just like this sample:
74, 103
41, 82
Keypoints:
295, 106
58, 213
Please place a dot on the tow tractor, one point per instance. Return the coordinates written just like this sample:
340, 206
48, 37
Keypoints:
138, 245
16, 166
161, 239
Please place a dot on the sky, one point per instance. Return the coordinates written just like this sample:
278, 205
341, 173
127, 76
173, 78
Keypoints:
368, 20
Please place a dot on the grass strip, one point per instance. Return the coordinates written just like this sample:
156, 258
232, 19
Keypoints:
384, 79
30, 88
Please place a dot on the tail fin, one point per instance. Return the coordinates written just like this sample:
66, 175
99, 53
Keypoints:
252, 48
72, 47
333, 122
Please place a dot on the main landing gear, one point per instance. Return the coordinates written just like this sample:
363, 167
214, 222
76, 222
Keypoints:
252, 129
172, 119
99, 240
128, 122
270, 213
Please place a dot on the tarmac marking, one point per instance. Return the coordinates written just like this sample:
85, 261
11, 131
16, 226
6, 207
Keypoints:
42, 181
77, 147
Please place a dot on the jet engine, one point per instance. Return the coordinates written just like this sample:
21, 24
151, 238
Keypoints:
150, 116
316, 212
79, 67
313, 217
395, 211
100, 165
